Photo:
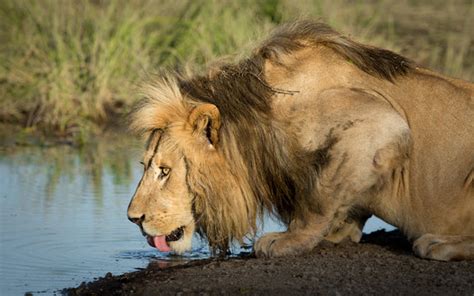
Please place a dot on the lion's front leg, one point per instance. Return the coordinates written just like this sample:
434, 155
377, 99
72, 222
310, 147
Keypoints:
298, 239
278, 244
349, 229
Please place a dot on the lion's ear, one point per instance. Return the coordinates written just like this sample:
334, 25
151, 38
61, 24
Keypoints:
206, 120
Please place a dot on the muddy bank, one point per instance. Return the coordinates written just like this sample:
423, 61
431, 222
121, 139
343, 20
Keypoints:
381, 264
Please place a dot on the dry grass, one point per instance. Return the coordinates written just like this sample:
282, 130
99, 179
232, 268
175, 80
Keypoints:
69, 66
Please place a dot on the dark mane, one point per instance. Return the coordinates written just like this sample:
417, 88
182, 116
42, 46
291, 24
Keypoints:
281, 178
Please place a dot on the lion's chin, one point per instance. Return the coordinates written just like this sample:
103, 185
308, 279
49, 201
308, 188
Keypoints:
185, 242
182, 245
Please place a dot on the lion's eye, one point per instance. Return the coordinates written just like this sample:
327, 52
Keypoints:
164, 171
142, 163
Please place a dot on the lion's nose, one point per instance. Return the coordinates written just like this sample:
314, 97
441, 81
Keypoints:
135, 220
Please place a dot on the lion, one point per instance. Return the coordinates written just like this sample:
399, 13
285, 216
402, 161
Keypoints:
318, 130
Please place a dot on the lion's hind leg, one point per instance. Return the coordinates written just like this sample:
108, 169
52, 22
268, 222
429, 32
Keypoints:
444, 247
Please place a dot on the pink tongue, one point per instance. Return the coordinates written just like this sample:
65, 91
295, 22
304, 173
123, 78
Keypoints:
160, 243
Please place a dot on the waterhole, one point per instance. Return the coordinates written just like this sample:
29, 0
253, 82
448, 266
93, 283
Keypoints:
63, 217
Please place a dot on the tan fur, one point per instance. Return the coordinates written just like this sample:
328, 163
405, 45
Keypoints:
322, 132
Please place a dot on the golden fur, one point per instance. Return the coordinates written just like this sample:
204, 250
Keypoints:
322, 132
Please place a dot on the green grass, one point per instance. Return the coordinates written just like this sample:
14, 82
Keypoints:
68, 67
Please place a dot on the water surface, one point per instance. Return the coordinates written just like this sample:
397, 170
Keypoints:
63, 217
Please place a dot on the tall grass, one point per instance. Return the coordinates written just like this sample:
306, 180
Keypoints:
69, 66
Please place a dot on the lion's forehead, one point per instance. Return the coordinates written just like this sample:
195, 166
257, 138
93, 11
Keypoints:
166, 147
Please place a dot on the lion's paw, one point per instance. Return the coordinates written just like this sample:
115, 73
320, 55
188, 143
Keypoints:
433, 247
278, 244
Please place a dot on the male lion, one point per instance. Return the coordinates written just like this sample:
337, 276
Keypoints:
319, 130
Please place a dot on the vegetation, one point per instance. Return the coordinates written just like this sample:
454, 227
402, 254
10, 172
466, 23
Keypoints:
67, 67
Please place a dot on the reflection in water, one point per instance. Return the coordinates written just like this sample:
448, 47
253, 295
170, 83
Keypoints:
63, 217
65, 162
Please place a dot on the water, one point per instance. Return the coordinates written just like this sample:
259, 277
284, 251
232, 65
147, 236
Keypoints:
63, 217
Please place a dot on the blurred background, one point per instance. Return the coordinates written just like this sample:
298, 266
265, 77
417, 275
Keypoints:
69, 72
70, 67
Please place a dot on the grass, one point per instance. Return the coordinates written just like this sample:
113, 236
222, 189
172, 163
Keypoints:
68, 67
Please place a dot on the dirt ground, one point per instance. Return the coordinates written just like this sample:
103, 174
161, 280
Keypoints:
382, 264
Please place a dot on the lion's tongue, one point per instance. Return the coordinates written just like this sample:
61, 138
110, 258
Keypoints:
160, 243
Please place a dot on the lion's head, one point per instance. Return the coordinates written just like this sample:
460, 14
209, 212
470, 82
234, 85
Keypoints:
212, 166
188, 181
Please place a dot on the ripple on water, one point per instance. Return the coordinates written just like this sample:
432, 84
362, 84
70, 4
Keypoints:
195, 254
